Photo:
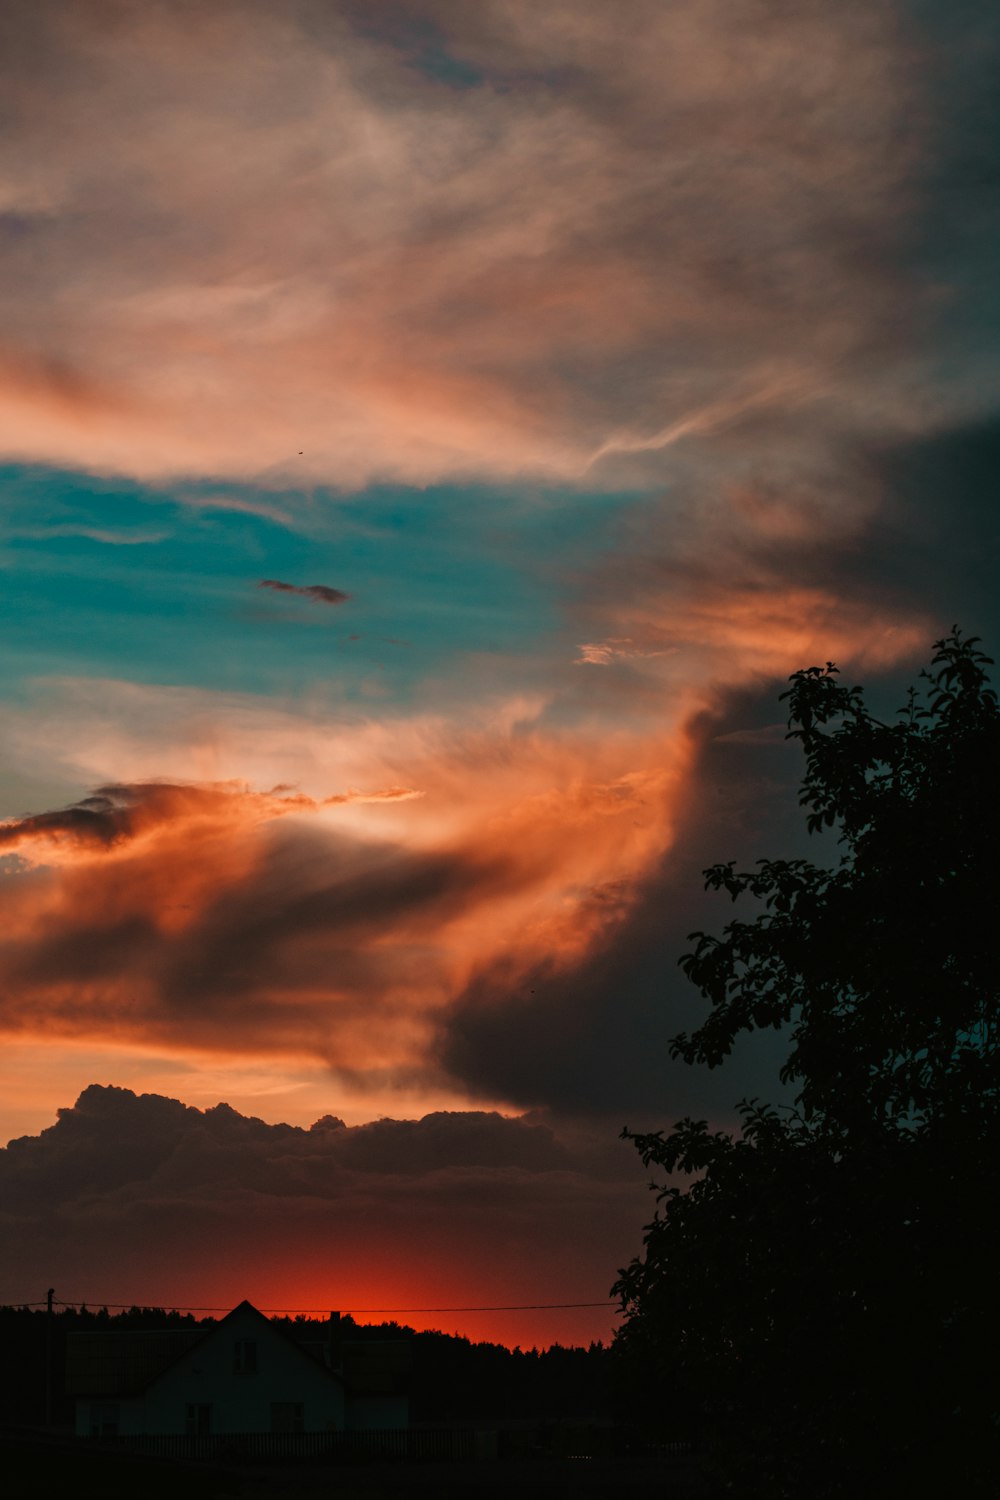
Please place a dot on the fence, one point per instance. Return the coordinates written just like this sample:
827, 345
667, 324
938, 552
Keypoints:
516, 1440
258, 1447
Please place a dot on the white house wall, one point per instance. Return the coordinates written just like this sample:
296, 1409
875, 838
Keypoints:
241, 1402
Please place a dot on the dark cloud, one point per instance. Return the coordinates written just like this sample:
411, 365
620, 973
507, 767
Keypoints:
767, 734
938, 537
112, 1138
109, 815
142, 1197
310, 921
97, 820
318, 591
187, 913
594, 1037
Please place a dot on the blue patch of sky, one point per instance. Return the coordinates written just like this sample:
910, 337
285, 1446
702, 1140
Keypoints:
107, 578
438, 63
422, 44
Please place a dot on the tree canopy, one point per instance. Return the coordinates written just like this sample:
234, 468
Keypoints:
821, 1297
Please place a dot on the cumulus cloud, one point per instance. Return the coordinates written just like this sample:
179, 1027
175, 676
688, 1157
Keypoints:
146, 1199
319, 592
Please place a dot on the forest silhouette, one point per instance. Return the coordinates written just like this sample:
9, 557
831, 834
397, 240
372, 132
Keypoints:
455, 1378
820, 1301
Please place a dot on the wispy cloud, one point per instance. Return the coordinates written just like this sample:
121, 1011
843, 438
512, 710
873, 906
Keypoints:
764, 389
605, 242
238, 504
111, 538
616, 648
320, 592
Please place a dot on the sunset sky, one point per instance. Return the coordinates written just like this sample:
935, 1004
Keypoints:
430, 434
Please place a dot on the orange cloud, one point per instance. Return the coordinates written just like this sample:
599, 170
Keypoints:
157, 911
342, 925
761, 629
113, 816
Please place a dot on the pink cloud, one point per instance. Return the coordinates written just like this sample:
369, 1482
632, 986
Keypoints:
263, 240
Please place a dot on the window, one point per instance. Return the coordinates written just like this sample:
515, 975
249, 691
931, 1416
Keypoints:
198, 1422
288, 1416
245, 1357
104, 1419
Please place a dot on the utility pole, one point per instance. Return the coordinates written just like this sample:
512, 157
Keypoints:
48, 1355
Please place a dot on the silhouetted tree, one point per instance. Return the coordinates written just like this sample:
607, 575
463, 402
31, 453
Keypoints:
823, 1296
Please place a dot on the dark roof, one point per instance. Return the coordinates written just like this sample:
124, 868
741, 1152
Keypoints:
123, 1363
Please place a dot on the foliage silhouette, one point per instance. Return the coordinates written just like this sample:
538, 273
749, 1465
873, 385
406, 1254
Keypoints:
455, 1380
823, 1297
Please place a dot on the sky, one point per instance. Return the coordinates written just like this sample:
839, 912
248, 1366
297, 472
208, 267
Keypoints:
430, 435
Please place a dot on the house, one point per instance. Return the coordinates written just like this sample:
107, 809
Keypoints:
376, 1374
242, 1375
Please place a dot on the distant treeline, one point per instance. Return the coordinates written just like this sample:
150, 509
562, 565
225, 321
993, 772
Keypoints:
454, 1380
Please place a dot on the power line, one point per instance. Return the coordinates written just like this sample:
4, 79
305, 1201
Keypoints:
516, 1307
508, 1307
187, 1307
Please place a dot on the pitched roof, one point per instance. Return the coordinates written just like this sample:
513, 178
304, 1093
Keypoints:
126, 1362
123, 1363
